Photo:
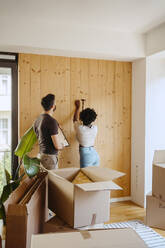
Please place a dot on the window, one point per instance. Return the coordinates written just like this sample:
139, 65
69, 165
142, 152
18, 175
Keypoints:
3, 87
3, 131
9, 89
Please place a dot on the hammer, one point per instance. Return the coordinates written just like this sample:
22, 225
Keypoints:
83, 101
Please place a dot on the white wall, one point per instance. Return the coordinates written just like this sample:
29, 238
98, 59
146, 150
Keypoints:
138, 131
148, 122
67, 40
155, 40
148, 118
155, 115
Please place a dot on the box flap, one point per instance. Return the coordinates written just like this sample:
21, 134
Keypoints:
108, 185
159, 156
162, 165
90, 239
67, 173
102, 174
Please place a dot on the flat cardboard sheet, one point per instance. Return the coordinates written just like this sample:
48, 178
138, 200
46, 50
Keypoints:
20, 192
116, 238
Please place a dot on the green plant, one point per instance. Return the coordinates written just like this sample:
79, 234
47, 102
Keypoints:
31, 167
25, 146
7, 190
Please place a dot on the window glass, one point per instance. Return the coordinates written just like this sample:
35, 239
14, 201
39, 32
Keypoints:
4, 131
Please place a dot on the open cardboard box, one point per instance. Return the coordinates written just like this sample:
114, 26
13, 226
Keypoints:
155, 201
158, 176
26, 211
155, 212
118, 238
82, 204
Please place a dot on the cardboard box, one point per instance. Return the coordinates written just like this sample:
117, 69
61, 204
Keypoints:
26, 211
57, 225
118, 238
155, 212
82, 204
158, 177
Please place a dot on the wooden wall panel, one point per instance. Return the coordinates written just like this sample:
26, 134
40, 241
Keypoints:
24, 93
106, 86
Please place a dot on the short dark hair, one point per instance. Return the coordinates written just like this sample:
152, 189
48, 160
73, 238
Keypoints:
48, 101
87, 116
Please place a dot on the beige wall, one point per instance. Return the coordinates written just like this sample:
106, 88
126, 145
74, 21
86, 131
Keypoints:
106, 86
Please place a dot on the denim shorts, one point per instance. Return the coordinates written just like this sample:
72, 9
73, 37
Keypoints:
88, 157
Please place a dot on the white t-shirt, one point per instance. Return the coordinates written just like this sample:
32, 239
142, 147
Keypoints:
85, 135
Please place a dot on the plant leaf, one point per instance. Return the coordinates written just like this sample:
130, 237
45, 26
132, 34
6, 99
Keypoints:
8, 176
8, 189
26, 143
31, 165
2, 213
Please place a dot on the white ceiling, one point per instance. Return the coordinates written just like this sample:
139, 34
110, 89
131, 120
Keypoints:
118, 15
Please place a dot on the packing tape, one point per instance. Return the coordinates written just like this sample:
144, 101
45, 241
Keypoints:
85, 234
93, 219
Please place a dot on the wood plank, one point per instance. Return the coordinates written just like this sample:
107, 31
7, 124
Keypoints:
94, 91
35, 87
125, 211
61, 84
75, 93
24, 93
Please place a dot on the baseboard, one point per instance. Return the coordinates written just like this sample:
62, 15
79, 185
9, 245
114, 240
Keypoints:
119, 199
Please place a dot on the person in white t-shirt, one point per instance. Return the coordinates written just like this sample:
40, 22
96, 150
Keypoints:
86, 134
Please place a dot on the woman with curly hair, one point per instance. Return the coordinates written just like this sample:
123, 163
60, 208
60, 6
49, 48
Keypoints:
86, 134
